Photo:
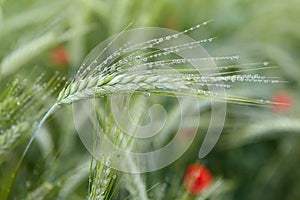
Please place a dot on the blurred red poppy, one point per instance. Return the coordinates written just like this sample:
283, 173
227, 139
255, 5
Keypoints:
282, 100
197, 177
60, 56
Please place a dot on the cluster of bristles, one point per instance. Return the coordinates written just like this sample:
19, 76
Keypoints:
141, 68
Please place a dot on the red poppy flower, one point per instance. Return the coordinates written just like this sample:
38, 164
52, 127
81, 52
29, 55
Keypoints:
60, 56
197, 177
282, 100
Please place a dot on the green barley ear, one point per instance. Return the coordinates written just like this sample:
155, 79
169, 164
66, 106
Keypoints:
126, 63
20, 101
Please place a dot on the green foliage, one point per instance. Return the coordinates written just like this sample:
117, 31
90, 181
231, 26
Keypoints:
257, 156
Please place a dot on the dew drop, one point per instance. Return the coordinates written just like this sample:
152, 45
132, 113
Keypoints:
266, 63
237, 57
175, 36
137, 58
147, 94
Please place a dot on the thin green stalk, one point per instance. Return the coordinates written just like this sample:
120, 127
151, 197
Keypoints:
46, 116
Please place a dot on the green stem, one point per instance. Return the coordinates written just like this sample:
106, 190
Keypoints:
45, 117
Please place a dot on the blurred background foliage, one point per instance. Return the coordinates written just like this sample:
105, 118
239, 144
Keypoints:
258, 154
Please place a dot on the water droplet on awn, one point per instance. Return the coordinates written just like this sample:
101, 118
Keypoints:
147, 94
